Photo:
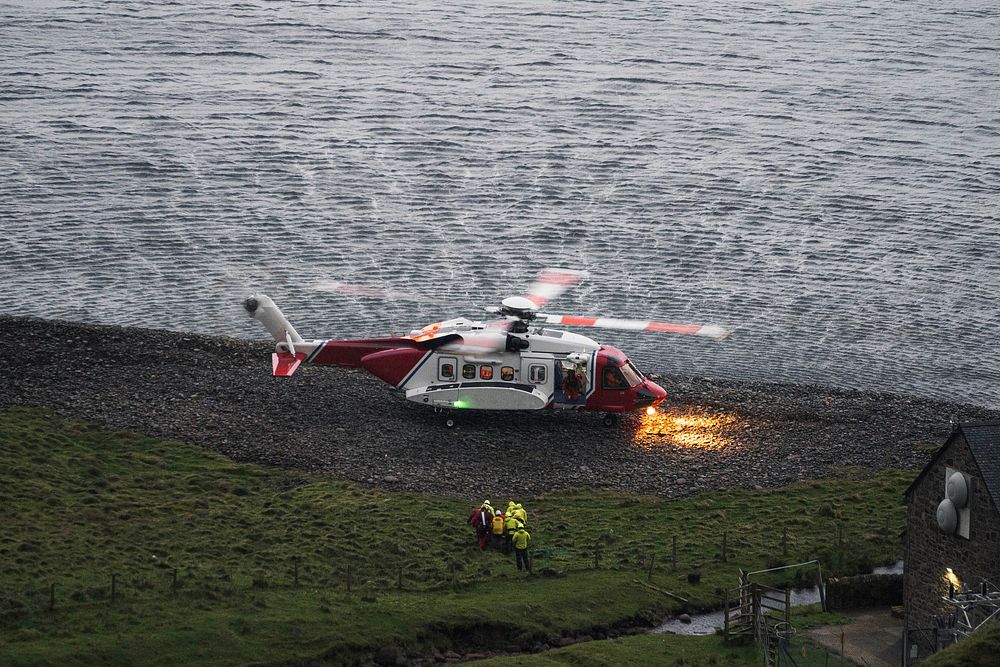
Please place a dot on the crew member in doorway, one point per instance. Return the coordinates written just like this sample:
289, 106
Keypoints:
572, 385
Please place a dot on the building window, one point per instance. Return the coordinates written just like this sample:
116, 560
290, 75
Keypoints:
485, 372
536, 373
507, 373
469, 371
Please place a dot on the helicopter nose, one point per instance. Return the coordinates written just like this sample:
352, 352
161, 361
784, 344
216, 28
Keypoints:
649, 394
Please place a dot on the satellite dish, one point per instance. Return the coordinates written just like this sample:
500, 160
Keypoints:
947, 516
957, 490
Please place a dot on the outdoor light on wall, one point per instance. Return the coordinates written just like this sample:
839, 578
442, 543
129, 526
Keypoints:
953, 581
953, 511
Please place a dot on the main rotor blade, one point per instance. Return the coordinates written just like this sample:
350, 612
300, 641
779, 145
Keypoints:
550, 283
355, 289
707, 330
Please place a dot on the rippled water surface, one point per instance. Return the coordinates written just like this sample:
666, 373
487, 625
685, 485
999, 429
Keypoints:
823, 178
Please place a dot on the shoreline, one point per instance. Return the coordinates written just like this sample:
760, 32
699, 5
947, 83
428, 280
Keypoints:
217, 392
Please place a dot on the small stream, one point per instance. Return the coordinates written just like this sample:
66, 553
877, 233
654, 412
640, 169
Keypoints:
709, 622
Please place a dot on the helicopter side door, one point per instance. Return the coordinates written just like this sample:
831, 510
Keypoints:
537, 371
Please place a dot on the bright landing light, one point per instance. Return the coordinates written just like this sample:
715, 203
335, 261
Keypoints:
693, 430
651, 410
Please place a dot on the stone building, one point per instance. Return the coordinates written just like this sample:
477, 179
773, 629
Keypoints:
952, 538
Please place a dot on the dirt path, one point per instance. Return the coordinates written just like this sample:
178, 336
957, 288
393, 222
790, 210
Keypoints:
874, 638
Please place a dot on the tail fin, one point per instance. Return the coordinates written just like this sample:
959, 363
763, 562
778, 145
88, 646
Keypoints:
261, 308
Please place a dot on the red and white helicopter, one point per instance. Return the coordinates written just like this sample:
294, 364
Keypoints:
513, 363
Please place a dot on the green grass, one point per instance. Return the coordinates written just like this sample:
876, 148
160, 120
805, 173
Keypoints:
81, 504
980, 649
640, 651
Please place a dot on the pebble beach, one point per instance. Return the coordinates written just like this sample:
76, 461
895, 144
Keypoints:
217, 393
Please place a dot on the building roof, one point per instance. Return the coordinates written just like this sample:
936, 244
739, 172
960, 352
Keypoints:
984, 443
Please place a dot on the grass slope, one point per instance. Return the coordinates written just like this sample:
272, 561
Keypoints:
978, 650
81, 505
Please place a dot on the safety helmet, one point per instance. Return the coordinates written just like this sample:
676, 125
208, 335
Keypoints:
486, 502
497, 512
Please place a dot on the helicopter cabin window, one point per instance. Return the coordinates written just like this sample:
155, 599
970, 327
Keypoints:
446, 368
613, 379
485, 372
469, 371
536, 373
507, 373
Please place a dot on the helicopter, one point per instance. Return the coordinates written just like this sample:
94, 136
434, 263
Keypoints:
514, 362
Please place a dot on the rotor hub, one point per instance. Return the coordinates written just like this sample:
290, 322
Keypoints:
519, 306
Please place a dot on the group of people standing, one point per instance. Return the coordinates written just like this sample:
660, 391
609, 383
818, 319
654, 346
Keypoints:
506, 530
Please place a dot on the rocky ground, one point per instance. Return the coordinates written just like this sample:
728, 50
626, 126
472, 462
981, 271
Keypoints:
218, 393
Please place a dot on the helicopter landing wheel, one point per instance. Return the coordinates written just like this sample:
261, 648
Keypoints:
449, 422
609, 419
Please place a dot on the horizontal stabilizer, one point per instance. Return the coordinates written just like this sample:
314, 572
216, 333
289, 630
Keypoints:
283, 364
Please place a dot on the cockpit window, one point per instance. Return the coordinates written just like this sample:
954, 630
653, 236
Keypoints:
612, 379
632, 374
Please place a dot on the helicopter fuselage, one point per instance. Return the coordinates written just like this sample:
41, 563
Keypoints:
461, 364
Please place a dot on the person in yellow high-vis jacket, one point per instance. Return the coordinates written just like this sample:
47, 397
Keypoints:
510, 527
498, 527
521, 513
520, 541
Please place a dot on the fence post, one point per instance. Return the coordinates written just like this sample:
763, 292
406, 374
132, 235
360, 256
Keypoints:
724, 546
725, 614
114, 581
295, 569
822, 591
649, 574
597, 556
173, 582
784, 541
399, 579
454, 578
52, 597
348, 577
